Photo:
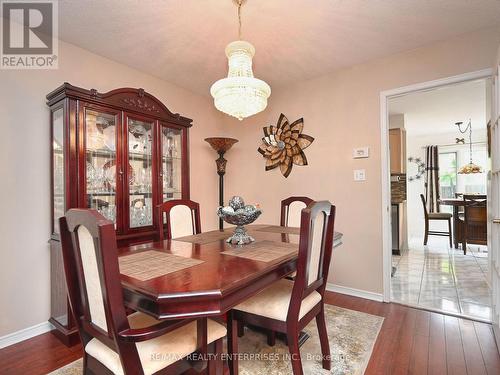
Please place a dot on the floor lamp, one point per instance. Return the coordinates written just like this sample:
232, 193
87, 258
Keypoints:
221, 145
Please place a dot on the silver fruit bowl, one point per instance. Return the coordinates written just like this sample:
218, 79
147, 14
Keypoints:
238, 214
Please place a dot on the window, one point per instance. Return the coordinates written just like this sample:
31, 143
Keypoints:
447, 174
450, 182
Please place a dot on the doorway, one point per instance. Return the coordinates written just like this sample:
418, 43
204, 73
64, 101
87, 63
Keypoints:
435, 276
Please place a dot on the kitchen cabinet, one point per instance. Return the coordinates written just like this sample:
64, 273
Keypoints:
397, 148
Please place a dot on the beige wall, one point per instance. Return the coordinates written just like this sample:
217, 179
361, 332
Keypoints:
24, 165
341, 111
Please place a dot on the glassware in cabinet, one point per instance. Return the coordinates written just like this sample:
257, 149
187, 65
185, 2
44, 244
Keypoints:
140, 135
171, 163
101, 162
58, 159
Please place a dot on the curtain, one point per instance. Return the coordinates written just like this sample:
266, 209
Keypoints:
432, 178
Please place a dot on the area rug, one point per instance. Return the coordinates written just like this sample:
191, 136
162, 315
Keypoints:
352, 335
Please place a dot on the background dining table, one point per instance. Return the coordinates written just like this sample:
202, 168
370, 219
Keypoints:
455, 203
203, 276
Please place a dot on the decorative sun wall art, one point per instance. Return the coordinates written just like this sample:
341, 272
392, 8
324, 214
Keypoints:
283, 145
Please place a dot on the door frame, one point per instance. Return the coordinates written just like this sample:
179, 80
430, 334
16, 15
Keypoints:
385, 158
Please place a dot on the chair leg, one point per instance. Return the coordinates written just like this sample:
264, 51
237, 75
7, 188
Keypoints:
232, 343
323, 338
241, 329
86, 370
464, 240
449, 233
271, 338
293, 348
426, 233
215, 365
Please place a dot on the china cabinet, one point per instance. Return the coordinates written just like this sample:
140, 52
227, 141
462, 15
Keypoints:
121, 153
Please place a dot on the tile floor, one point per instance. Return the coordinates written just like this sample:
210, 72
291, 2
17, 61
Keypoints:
437, 277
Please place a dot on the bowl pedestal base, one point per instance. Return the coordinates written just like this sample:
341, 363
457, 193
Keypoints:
240, 236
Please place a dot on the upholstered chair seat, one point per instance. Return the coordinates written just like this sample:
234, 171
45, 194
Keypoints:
440, 215
158, 353
273, 302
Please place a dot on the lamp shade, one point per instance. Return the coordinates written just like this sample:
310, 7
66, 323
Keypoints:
221, 144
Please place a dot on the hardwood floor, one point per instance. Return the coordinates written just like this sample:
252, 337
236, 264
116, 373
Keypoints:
411, 342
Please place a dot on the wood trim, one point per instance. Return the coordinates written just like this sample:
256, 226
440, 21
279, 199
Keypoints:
379, 297
25, 334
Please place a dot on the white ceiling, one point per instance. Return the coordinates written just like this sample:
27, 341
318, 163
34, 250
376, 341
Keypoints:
183, 41
436, 111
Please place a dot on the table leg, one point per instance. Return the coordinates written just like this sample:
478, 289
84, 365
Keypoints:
455, 226
232, 343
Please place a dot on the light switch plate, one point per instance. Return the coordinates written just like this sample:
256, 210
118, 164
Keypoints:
359, 175
360, 152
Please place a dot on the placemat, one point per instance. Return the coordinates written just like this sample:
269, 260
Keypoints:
278, 229
149, 264
263, 251
203, 238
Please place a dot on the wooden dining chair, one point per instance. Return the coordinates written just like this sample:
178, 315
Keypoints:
291, 208
288, 306
474, 227
436, 216
114, 343
182, 218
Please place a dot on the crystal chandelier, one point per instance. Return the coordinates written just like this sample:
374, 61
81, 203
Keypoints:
471, 167
240, 94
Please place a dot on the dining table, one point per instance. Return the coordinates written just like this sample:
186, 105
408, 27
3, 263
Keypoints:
202, 275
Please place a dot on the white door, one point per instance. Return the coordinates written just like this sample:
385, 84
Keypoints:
494, 200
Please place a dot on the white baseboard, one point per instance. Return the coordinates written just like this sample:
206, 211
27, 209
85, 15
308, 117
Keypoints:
354, 292
24, 334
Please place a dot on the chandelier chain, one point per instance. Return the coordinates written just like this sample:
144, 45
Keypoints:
240, 2
469, 128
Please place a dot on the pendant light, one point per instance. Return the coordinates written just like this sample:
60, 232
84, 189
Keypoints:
240, 94
471, 167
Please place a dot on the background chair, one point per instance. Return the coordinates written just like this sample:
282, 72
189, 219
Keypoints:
114, 342
438, 216
288, 306
291, 210
182, 218
474, 227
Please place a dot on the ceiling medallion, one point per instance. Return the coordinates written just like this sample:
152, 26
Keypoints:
240, 94
283, 145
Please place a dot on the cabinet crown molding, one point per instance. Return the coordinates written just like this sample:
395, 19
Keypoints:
135, 100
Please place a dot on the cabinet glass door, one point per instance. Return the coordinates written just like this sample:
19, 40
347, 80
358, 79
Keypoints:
100, 139
171, 163
140, 172
58, 201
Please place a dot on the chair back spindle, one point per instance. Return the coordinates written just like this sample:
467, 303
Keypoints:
424, 204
